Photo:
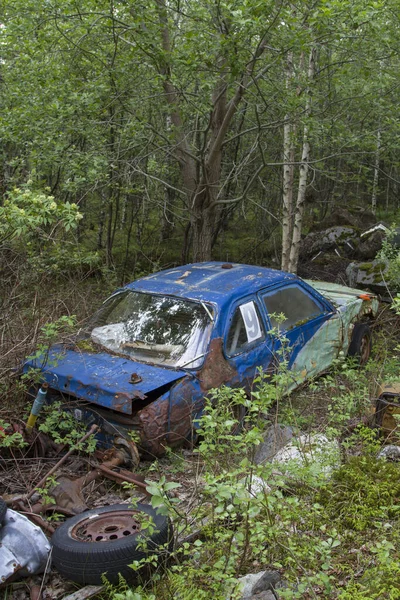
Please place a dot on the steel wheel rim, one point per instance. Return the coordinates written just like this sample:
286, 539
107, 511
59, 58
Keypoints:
106, 527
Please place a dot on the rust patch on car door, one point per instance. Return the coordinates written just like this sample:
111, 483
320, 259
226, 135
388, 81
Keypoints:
216, 370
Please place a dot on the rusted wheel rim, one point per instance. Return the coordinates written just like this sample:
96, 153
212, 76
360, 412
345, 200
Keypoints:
107, 527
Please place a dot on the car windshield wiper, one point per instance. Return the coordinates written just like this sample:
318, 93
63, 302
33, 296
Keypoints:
207, 311
192, 360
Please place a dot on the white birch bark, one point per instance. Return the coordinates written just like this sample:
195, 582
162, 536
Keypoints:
303, 174
376, 171
288, 174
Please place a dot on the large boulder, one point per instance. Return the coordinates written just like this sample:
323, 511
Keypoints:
360, 218
339, 239
370, 275
371, 242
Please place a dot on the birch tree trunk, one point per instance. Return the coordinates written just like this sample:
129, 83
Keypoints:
376, 171
288, 173
303, 173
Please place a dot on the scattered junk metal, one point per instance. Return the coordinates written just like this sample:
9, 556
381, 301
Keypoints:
24, 547
387, 409
67, 492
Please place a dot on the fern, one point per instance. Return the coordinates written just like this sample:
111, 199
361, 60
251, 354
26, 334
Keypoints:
122, 591
182, 586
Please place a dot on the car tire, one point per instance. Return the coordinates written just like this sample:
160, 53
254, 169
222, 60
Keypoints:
361, 343
118, 538
3, 510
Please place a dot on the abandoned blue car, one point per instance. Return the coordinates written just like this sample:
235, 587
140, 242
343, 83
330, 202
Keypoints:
150, 355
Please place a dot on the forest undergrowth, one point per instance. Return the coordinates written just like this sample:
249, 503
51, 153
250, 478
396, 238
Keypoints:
333, 536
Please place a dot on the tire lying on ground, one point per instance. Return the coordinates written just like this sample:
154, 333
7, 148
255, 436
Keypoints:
361, 343
106, 540
3, 510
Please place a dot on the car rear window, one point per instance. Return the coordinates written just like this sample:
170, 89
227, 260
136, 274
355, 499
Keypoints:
293, 303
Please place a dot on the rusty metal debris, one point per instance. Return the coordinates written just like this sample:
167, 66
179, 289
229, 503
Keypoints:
106, 527
24, 548
387, 407
62, 460
68, 492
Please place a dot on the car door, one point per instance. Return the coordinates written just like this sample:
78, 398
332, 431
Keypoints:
246, 344
306, 330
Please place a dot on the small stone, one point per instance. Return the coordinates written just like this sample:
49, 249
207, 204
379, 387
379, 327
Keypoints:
390, 453
275, 438
259, 586
268, 581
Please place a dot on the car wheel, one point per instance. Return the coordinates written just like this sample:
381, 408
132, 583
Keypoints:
106, 540
361, 343
3, 510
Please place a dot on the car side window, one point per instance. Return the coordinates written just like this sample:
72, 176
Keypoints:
294, 303
246, 328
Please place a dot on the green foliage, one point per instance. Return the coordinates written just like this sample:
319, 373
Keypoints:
363, 493
50, 333
321, 532
61, 425
391, 253
10, 438
29, 215
123, 591
380, 580
45, 492
64, 260
159, 494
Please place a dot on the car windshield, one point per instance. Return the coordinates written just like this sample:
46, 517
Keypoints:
155, 329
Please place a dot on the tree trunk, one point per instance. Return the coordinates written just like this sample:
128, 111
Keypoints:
376, 171
201, 167
304, 167
288, 174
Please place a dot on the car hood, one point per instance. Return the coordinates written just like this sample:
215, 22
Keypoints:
105, 379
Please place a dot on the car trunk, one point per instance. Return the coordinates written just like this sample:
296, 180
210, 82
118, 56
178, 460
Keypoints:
104, 379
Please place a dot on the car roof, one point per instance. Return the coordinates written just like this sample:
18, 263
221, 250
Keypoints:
216, 282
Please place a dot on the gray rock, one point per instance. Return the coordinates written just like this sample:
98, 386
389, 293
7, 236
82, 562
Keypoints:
368, 275
248, 582
359, 218
390, 453
257, 486
260, 586
269, 581
370, 244
312, 450
275, 438
263, 596
342, 240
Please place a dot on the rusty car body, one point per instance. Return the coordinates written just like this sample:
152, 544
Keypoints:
155, 349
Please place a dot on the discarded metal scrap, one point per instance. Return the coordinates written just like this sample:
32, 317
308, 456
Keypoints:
387, 407
24, 548
67, 492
